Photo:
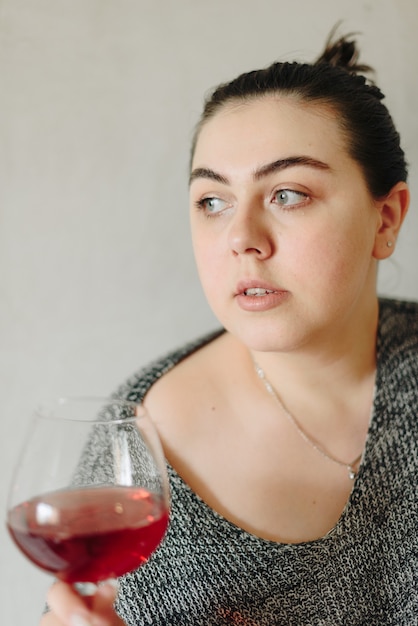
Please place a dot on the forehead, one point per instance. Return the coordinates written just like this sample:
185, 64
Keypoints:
263, 129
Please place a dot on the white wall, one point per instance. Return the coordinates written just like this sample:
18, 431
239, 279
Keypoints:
98, 101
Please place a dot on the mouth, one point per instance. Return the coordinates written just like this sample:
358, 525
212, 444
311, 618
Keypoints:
256, 295
256, 288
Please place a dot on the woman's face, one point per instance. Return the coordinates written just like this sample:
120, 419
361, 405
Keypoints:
283, 225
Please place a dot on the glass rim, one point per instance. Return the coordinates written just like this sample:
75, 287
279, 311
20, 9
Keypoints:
48, 409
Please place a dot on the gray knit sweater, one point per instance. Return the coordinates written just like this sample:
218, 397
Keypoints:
364, 571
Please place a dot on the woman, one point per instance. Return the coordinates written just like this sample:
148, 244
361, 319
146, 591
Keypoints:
291, 436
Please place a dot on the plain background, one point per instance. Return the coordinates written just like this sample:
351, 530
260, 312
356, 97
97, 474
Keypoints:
97, 107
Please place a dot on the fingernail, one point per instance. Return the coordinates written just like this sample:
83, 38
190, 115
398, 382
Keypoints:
113, 582
79, 620
109, 587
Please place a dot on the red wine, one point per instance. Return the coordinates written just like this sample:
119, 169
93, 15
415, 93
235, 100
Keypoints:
89, 534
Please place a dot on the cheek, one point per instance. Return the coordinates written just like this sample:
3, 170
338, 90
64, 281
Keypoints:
325, 259
207, 260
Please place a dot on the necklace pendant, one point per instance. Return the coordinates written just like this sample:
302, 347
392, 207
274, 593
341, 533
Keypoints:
351, 473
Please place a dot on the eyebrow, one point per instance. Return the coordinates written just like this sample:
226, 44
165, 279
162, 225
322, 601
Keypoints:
263, 171
205, 172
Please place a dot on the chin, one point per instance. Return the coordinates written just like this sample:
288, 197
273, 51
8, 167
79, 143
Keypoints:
268, 337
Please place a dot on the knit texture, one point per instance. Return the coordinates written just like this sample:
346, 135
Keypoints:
209, 572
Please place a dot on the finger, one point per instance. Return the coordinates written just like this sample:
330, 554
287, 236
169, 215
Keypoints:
103, 602
49, 619
67, 607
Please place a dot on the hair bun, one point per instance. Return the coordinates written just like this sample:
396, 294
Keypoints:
343, 53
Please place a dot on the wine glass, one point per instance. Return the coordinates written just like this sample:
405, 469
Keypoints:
89, 500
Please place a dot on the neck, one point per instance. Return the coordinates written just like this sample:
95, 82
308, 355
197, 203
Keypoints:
346, 358
329, 406
328, 391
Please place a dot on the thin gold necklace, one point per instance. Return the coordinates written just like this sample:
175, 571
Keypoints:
350, 467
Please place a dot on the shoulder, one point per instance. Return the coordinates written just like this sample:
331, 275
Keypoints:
397, 347
182, 393
398, 313
398, 329
136, 386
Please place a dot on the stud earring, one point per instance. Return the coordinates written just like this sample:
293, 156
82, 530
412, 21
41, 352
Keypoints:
389, 244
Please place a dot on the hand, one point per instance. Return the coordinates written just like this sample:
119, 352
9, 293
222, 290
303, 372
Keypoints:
68, 608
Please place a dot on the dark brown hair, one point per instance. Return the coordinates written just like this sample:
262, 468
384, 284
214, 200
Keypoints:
337, 80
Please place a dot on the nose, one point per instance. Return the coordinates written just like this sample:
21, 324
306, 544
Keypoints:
249, 233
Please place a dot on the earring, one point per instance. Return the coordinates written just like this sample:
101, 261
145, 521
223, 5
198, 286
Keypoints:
389, 244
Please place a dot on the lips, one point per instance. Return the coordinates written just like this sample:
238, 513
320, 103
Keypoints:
258, 296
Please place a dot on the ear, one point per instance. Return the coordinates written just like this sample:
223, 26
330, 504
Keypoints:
392, 210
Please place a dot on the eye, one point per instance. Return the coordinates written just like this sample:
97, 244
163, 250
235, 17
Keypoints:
289, 198
211, 205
